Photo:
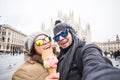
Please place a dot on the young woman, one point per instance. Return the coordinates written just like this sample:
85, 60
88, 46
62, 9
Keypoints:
33, 68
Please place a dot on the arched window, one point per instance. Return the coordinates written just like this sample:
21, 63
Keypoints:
7, 46
3, 38
8, 39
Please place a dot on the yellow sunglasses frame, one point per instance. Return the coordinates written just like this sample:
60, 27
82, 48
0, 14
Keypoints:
41, 42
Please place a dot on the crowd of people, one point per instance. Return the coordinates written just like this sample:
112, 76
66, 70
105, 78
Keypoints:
75, 61
113, 54
18, 52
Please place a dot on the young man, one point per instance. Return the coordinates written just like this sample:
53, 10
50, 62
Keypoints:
80, 61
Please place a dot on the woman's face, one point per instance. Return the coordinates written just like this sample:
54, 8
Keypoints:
42, 42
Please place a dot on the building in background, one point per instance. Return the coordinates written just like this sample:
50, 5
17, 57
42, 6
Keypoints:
11, 40
109, 45
81, 33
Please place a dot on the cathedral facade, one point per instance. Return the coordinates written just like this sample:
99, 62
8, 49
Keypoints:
81, 33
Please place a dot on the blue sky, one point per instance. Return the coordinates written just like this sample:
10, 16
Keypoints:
28, 15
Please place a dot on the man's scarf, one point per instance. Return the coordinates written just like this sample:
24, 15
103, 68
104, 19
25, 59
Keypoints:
66, 59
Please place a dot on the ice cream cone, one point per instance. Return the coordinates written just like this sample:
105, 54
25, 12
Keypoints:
52, 70
45, 54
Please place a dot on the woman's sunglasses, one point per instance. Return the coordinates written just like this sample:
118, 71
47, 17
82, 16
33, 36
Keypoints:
64, 34
41, 42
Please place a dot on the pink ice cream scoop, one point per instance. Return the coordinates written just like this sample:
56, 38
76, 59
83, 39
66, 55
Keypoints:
49, 61
52, 61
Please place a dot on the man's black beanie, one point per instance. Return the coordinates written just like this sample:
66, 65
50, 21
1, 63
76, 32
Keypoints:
60, 26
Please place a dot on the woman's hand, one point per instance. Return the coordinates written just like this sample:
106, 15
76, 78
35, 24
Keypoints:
53, 77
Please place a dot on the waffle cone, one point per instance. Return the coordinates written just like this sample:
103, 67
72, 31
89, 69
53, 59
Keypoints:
44, 56
52, 70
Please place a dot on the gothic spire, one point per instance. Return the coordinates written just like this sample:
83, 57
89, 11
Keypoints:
117, 37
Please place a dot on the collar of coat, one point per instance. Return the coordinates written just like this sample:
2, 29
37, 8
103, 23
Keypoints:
35, 58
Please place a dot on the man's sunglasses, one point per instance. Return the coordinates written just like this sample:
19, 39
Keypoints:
41, 42
64, 34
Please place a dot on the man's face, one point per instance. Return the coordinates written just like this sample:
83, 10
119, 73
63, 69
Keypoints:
63, 38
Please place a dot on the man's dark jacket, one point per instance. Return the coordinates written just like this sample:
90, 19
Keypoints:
85, 62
